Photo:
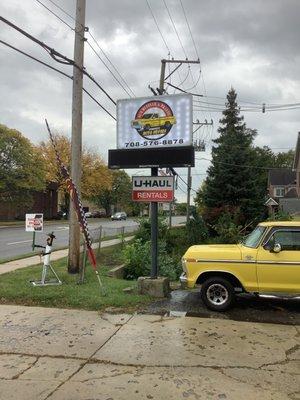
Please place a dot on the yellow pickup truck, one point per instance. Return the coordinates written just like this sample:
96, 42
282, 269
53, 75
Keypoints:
153, 121
266, 262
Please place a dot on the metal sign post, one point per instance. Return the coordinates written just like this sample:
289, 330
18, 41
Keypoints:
155, 189
154, 233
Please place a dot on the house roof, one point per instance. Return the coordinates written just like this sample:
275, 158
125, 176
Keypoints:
282, 177
271, 202
291, 194
297, 153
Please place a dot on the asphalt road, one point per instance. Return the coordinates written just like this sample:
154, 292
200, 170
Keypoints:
15, 242
248, 308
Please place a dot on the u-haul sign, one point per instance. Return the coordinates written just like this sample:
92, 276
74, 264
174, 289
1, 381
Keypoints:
153, 188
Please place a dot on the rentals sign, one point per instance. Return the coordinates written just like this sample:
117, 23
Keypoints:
153, 188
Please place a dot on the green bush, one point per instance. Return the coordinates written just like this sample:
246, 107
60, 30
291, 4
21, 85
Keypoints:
144, 231
227, 228
280, 216
138, 260
196, 229
176, 241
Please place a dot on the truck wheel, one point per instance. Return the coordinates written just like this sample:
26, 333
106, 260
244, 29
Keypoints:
217, 294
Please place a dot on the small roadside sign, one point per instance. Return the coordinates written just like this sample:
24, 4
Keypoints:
34, 223
153, 188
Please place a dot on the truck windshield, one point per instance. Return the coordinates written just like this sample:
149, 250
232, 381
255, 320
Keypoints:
254, 237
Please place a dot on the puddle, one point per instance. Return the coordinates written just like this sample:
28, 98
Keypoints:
249, 308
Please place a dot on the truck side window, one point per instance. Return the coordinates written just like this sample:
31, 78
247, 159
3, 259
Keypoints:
289, 240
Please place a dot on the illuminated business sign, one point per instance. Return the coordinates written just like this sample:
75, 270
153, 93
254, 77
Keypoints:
153, 122
153, 188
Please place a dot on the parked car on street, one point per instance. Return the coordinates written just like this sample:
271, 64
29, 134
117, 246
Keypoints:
267, 261
88, 214
98, 214
119, 216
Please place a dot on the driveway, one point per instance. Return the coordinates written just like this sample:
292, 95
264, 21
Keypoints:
247, 308
70, 354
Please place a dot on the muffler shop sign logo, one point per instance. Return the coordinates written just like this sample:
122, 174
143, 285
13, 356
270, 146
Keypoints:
154, 120
153, 188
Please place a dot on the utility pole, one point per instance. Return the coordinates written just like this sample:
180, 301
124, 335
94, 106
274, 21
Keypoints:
76, 140
161, 91
154, 171
189, 176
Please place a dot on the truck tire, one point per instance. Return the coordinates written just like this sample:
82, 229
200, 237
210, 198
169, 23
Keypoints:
217, 293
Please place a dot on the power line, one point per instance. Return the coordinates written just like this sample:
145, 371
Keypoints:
158, 28
184, 91
237, 165
57, 16
59, 71
97, 44
111, 63
187, 22
186, 183
178, 37
107, 67
56, 55
65, 12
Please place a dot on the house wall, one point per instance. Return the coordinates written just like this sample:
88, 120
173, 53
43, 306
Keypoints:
291, 206
286, 188
43, 202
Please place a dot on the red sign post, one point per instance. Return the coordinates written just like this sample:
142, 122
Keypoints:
153, 189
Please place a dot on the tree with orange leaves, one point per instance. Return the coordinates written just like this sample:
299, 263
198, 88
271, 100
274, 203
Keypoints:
95, 174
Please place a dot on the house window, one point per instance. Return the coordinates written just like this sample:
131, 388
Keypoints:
279, 191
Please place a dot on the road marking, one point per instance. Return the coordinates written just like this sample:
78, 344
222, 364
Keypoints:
23, 241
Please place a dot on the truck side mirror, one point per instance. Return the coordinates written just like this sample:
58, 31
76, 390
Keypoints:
277, 248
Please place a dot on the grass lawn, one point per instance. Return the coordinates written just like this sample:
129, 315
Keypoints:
15, 287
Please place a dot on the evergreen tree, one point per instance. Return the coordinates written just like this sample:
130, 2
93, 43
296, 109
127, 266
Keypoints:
232, 181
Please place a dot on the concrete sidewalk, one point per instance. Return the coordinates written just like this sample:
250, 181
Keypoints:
68, 354
56, 255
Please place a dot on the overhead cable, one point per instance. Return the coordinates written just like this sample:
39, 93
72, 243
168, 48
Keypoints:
57, 56
237, 165
97, 44
189, 28
107, 67
184, 91
57, 70
57, 16
175, 29
157, 26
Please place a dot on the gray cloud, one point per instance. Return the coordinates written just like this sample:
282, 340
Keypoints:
251, 45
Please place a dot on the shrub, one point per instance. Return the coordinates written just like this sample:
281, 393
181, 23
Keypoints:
176, 241
227, 228
138, 260
144, 231
196, 230
280, 216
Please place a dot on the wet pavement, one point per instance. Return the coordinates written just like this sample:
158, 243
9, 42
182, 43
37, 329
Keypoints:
56, 354
248, 308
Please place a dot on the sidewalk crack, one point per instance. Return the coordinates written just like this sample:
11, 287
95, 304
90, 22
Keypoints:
26, 369
87, 360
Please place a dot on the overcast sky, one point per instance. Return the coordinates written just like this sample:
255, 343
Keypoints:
252, 46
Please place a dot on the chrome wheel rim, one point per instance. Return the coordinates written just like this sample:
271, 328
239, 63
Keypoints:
217, 294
